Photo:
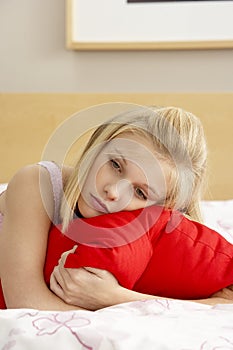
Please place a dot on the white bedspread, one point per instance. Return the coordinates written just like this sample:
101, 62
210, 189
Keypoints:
2, 187
219, 216
154, 324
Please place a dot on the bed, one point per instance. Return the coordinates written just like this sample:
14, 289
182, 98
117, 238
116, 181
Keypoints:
27, 122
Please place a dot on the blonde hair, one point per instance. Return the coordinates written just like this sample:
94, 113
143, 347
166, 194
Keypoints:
179, 140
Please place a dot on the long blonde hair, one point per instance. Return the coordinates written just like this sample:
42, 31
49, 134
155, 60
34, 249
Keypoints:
179, 140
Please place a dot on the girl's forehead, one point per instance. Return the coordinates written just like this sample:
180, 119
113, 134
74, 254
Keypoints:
131, 144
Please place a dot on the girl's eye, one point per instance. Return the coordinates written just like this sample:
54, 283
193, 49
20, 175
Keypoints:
115, 164
140, 193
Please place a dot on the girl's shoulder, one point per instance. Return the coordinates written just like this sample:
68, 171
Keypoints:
40, 181
39, 173
24, 190
56, 171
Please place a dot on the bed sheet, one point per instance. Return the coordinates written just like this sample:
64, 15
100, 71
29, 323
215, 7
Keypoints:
153, 324
219, 216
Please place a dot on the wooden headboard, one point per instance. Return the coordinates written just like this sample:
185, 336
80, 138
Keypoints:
27, 122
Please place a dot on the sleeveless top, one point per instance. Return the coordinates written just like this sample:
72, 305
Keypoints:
55, 174
57, 186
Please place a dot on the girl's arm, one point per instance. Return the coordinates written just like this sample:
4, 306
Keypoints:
91, 288
23, 241
94, 288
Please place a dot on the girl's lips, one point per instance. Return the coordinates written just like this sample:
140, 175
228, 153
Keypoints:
98, 204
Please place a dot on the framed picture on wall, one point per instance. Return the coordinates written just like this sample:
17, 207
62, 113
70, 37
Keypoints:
149, 24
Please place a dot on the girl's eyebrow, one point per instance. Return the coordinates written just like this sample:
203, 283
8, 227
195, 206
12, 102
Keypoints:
117, 152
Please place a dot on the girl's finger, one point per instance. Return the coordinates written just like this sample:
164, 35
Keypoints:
64, 255
58, 277
97, 272
55, 287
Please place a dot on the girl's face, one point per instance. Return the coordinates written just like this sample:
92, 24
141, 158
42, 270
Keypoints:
126, 175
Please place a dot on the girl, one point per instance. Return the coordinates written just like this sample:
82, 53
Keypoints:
138, 159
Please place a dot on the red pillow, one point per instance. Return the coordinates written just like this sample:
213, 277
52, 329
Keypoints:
190, 262
160, 253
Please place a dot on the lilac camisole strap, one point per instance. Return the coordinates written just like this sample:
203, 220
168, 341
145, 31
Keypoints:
57, 186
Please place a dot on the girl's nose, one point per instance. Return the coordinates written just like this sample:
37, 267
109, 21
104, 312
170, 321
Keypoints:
119, 190
111, 192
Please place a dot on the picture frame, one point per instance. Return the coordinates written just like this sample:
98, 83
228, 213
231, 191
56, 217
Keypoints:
149, 25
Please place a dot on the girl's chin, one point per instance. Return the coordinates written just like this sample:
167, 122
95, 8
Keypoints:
90, 213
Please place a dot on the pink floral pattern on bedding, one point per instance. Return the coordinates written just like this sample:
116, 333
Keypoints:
51, 324
152, 324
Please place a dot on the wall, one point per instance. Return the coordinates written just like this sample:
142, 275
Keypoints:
33, 58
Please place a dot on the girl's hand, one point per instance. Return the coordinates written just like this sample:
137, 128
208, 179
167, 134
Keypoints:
85, 287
